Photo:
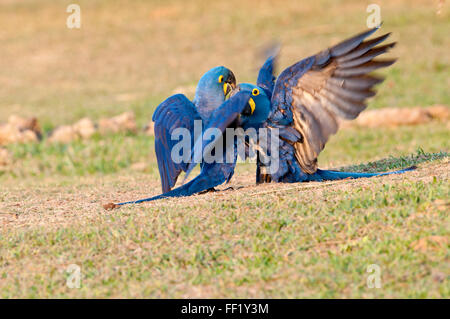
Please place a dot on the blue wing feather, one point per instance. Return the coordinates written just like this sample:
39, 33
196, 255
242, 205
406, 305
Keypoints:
312, 95
221, 118
175, 112
212, 174
266, 76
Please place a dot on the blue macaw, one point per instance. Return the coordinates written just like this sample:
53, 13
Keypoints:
178, 111
233, 113
304, 103
309, 98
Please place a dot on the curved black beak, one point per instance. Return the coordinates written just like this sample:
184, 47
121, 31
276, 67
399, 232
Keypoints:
229, 85
231, 80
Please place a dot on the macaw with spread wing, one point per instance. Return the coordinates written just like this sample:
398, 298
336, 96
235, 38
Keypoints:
311, 97
238, 111
178, 112
305, 103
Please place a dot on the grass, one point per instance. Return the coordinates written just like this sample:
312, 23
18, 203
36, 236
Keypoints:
278, 240
132, 54
397, 162
308, 240
118, 153
100, 155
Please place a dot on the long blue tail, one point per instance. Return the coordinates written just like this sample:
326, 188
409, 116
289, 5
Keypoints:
149, 199
184, 190
325, 175
200, 183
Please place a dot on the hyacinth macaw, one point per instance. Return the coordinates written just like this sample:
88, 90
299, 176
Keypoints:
237, 111
178, 111
309, 98
305, 104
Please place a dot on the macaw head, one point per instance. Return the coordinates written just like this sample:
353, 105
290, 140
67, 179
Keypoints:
212, 89
258, 107
247, 107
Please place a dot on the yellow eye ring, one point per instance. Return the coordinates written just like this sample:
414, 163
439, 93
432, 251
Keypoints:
255, 92
221, 79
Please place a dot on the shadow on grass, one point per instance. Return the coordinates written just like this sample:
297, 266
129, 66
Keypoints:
396, 162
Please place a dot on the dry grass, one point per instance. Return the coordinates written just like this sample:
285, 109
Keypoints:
308, 240
131, 54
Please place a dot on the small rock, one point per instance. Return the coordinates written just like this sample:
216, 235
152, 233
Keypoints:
8, 134
5, 157
85, 128
124, 122
12, 134
29, 136
26, 124
110, 206
149, 129
439, 112
393, 117
63, 134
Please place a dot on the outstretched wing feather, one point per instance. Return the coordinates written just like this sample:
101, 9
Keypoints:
319, 91
175, 112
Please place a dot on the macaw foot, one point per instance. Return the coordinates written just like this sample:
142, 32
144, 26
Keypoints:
212, 189
231, 188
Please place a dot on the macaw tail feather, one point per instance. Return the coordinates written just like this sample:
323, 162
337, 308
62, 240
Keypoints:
148, 199
199, 184
335, 175
183, 190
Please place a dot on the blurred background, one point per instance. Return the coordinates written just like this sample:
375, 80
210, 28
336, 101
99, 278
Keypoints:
131, 55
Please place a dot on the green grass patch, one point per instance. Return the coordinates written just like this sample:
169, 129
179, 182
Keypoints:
396, 162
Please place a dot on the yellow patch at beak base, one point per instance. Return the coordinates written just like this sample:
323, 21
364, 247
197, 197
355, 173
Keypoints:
252, 104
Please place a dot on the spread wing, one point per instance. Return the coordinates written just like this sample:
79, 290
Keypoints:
266, 78
315, 93
175, 112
